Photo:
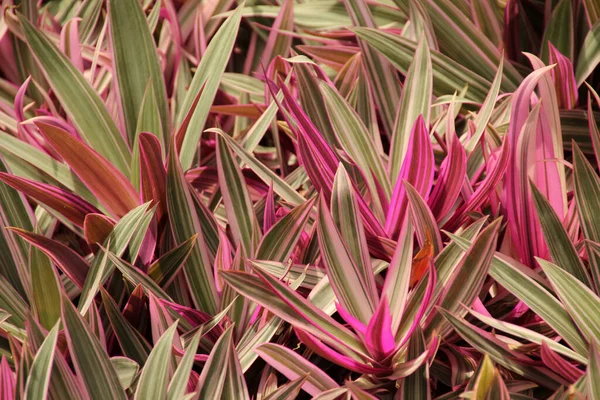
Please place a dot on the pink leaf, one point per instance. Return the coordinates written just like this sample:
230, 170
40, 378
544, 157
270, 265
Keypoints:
379, 336
103, 179
71, 206
417, 169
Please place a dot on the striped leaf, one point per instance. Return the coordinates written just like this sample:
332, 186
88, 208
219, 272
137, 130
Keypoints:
82, 103
91, 361
136, 63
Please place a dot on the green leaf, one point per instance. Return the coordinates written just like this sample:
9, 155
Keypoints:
238, 205
281, 187
10, 145
587, 196
185, 224
485, 112
293, 366
80, 100
207, 78
135, 63
415, 101
416, 385
135, 276
214, 373
235, 383
354, 287
280, 241
589, 55
448, 75
164, 270
126, 369
518, 280
468, 278
560, 31
90, 359
46, 288
540, 301
92, 283
593, 372
153, 381
578, 299
384, 83
288, 391
133, 344
178, 384
39, 375
561, 248
500, 352
356, 141
14, 211
148, 121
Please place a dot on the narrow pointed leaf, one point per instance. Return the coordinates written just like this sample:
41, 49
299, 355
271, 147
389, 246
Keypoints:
90, 359
39, 375
136, 62
153, 381
207, 76
82, 103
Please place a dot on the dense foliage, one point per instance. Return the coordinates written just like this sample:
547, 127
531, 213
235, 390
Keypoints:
280, 199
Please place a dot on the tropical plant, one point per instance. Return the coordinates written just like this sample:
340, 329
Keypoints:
383, 199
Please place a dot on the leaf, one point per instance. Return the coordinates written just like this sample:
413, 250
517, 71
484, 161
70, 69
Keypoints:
346, 216
468, 278
93, 281
14, 211
236, 199
136, 276
384, 84
38, 380
587, 196
212, 378
91, 361
126, 369
417, 169
280, 187
177, 386
69, 205
593, 372
207, 76
135, 63
133, 344
280, 241
94, 170
500, 353
46, 288
353, 287
527, 334
235, 383
164, 270
83, 105
518, 280
356, 140
184, 224
288, 391
577, 298
415, 101
589, 55
293, 366
153, 380
448, 75
146, 141
559, 244
485, 112
290, 306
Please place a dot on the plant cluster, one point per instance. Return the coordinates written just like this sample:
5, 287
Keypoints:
280, 199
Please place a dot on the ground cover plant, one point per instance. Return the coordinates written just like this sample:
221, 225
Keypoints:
280, 199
